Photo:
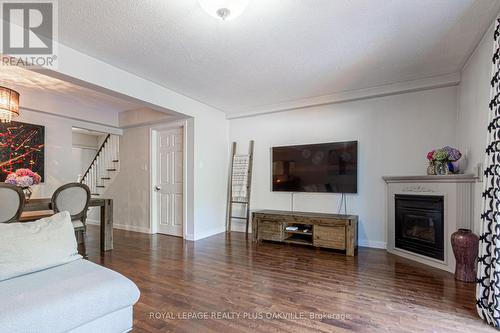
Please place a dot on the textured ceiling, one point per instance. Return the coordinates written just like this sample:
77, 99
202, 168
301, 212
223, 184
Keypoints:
278, 50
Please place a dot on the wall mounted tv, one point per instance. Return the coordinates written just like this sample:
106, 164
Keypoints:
325, 167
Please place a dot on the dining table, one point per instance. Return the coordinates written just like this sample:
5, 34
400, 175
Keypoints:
44, 205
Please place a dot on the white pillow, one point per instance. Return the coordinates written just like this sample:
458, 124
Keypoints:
34, 246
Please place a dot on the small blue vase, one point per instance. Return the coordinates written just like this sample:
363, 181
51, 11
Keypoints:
451, 167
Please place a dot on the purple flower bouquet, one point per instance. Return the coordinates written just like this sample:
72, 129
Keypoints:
23, 178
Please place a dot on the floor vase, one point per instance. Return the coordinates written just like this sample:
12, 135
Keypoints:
465, 246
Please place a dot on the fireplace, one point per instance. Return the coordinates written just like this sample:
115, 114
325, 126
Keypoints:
430, 209
420, 224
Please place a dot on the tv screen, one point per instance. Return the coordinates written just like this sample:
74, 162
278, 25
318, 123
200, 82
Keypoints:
326, 167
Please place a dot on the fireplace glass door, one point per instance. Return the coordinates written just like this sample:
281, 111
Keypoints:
420, 224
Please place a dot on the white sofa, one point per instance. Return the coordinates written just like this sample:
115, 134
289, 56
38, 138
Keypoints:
74, 295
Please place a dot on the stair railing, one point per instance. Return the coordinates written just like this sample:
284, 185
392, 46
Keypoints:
94, 161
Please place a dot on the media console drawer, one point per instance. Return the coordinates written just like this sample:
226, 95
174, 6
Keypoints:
332, 237
270, 230
333, 231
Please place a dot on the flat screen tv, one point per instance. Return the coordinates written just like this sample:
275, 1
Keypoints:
325, 167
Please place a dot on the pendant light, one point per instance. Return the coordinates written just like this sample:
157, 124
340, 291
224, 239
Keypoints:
9, 104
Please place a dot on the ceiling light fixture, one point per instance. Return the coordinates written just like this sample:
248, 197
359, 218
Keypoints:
9, 104
224, 10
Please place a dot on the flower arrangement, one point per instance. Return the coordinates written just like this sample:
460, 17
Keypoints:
445, 155
23, 178
443, 160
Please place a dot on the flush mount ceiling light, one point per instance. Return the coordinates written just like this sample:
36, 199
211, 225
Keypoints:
9, 104
224, 10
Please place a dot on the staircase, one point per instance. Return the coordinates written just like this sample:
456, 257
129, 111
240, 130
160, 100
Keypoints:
104, 167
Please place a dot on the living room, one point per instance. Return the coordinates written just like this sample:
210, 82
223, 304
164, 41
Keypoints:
248, 165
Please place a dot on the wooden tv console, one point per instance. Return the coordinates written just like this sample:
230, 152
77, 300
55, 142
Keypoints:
331, 231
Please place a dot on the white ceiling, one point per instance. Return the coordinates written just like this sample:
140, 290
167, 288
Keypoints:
32, 84
278, 50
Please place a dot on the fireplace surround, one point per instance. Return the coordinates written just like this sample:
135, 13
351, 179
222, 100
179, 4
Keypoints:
422, 213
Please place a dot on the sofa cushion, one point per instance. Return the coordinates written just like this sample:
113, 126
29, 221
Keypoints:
63, 298
34, 246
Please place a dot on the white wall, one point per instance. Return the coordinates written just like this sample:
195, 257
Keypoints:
131, 188
80, 160
142, 117
394, 133
211, 161
84, 140
473, 110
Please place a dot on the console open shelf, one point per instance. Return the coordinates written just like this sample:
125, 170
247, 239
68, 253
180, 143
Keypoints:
298, 232
302, 229
299, 239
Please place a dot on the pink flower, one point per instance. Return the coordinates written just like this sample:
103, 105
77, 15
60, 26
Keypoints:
23, 172
430, 155
36, 178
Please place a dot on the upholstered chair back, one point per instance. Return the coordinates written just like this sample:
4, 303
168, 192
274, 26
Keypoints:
73, 198
11, 203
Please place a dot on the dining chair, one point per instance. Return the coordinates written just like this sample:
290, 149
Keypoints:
74, 198
12, 201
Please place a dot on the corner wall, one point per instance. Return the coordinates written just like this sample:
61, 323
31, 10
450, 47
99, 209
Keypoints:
473, 111
394, 133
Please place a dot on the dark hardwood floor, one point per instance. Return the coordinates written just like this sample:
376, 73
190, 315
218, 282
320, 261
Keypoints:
229, 276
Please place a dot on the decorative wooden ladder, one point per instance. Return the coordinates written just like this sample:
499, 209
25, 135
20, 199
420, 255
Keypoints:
240, 178
104, 166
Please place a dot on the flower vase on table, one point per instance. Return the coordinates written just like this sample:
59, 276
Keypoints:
27, 193
24, 178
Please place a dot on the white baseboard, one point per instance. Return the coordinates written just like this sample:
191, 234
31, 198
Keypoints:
209, 233
372, 244
144, 230
134, 228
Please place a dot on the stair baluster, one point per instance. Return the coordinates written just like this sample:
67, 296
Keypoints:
105, 163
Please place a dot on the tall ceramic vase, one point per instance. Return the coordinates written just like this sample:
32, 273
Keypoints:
465, 246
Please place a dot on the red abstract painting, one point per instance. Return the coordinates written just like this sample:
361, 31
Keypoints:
21, 146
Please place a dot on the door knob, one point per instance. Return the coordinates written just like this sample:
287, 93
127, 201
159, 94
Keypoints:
157, 188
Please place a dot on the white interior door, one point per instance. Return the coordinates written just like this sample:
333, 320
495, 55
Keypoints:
169, 181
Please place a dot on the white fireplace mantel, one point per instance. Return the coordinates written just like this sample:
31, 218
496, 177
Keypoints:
458, 194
